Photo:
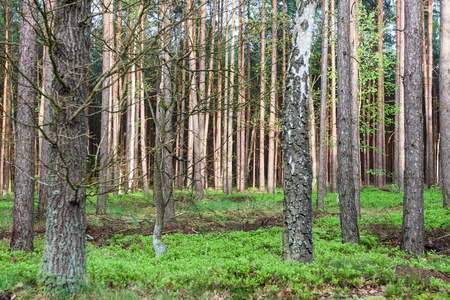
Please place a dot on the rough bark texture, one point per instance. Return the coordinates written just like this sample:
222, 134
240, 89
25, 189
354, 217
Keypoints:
102, 197
297, 210
354, 7
430, 177
323, 165
399, 150
6, 100
262, 103
22, 234
46, 152
444, 100
271, 184
63, 268
164, 128
380, 158
348, 213
413, 215
333, 125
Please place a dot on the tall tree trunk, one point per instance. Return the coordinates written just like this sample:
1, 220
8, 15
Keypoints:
46, 151
354, 8
399, 150
131, 119
202, 130
322, 180
312, 134
346, 186
333, 136
231, 101
143, 117
226, 106
6, 105
195, 118
163, 194
117, 100
413, 214
22, 233
444, 100
262, 177
297, 227
108, 36
63, 268
273, 98
430, 171
380, 178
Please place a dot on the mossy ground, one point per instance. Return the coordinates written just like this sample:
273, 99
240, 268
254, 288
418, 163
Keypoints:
229, 247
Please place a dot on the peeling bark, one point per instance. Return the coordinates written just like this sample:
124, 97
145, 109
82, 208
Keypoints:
297, 211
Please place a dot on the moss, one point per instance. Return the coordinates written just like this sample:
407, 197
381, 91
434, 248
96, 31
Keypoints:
62, 286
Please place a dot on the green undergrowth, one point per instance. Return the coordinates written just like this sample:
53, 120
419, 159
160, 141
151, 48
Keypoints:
242, 265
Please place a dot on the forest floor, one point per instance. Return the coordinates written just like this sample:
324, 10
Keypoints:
229, 247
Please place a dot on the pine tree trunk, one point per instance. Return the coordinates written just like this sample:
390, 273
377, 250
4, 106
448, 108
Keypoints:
273, 98
22, 233
322, 180
380, 178
143, 117
413, 214
312, 134
6, 105
297, 226
202, 105
63, 269
399, 155
348, 213
430, 171
444, 100
232, 68
333, 136
262, 177
354, 7
108, 36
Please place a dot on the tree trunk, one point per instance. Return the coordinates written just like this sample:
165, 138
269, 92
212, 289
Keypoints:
22, 233
108, 37
63, 269
380, 177
230, 102
312, 134
163, 195
297, 211
399, 160
6, 105
354, 7
262, 177
273, 98
143, 117
444, 100
202, 130
346, 186
322, 180
413, 214
333, 136
430, 171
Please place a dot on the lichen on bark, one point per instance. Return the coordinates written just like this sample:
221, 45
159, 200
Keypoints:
297, 211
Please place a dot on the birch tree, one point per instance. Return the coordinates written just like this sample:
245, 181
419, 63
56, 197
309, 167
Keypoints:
297, 211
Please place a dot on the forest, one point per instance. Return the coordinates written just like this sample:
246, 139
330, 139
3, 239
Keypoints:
225, 149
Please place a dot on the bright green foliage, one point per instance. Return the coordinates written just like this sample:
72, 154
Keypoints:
244, 264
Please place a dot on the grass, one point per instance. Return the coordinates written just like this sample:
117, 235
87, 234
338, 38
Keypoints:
238, 264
